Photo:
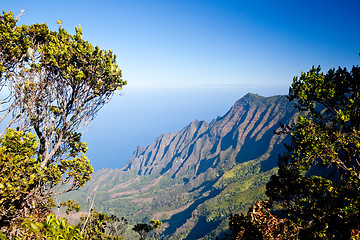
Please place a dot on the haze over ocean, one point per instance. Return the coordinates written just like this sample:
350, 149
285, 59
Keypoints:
192, 59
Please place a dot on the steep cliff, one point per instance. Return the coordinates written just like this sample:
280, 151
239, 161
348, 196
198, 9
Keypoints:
244, 133
193, 179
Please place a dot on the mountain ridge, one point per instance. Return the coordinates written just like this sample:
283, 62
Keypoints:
166, 153
194, 178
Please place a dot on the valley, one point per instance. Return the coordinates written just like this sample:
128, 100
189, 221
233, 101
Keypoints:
193, 179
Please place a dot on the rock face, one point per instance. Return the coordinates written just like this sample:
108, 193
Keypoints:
193, 179
245, 133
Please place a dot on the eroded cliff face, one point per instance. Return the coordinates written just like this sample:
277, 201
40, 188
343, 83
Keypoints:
193, 179
245, 133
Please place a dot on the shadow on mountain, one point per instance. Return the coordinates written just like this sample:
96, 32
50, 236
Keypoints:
202, 228
177, 220
273, 159
205, 164
205, 186
253, 149
227, 140
170, 164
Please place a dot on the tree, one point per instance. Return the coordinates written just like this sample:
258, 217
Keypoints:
260, 223
51, 228
97, 225
318, 181
144, 229
55, 84
19, 174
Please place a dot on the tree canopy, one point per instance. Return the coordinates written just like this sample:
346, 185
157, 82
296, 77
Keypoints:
318, 181
55, 83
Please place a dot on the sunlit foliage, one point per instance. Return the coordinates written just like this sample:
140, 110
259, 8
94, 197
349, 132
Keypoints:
318, 182
55, 83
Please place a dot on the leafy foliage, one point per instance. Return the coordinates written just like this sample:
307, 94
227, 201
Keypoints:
71, 206
25, 211
56, 83
102, 226
20, 173
55, 228
325, 143
318, 184
59, 228
144, 229
260, 223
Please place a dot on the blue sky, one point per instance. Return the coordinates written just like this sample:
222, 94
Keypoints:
187, 60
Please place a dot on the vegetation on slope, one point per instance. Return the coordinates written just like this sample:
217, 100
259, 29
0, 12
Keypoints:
193, 179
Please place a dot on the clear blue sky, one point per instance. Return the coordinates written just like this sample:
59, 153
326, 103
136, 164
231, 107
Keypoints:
193, 59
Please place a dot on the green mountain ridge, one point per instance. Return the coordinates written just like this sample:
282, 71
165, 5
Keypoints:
193, 179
